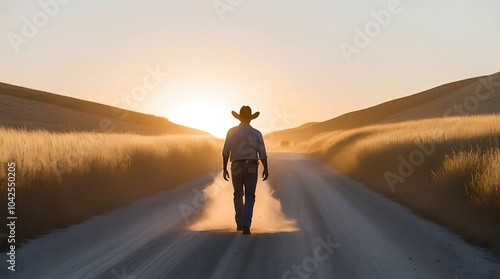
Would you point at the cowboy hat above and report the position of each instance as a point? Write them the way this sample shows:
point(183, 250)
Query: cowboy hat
point(245, 114)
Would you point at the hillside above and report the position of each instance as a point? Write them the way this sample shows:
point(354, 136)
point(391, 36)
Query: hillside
point(33, 109)
point(481, 97)
point(459, 96)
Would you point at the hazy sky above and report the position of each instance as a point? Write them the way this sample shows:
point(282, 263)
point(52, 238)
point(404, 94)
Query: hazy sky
point(294, 61)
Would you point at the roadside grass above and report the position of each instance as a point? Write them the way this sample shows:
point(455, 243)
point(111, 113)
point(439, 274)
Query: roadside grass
point(64, 178)
point(446, 169)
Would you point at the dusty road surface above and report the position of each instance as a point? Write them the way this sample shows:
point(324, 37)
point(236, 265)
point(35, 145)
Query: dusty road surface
point(309, 222)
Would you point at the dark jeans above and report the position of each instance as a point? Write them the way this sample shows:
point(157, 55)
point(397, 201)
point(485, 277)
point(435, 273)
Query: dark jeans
point(244, 177)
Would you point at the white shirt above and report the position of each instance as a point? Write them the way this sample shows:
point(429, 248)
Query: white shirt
point(244, 142)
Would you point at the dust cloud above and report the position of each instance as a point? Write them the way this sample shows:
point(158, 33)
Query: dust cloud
point(218, 214)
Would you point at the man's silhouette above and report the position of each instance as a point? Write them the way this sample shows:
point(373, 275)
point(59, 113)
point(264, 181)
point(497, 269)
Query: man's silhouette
point(244, 146)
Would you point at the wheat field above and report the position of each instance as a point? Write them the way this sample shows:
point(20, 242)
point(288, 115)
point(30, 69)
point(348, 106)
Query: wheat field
point(447, 169)
point(65, 178)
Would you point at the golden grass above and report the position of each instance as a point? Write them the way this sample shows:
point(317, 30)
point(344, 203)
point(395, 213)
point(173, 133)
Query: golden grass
point(482, 177)
point(64, 178)
point(450, 172)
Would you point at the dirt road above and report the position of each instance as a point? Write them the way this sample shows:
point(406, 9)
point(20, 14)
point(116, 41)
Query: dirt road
point(309, 222)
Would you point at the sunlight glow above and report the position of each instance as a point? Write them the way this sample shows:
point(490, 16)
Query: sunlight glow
point(203, 114)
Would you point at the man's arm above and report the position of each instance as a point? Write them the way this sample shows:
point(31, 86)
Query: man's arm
point(261, 149)
point(225, 160)
point(265, 173)
point(226, 152)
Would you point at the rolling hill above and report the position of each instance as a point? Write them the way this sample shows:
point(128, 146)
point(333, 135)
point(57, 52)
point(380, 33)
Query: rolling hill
point(479, 95)
point(33, 109)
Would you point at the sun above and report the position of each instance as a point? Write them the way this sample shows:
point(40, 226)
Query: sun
point(203, 114)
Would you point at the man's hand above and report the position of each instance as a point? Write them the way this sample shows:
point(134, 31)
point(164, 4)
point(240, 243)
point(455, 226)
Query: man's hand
point(226, 175)
point(225, 160)
point(265, 174)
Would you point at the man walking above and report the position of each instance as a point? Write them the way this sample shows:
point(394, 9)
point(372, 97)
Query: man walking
point(244, 146)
